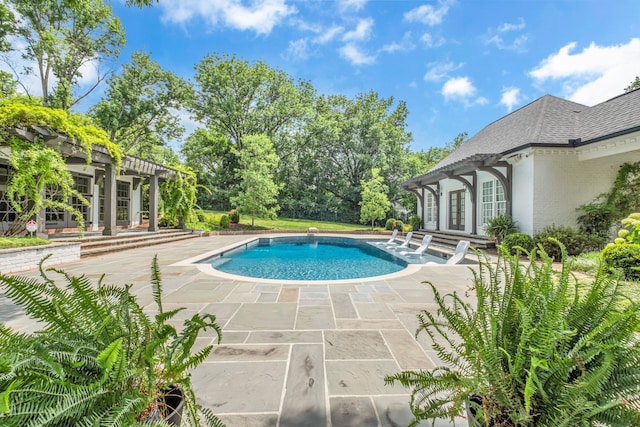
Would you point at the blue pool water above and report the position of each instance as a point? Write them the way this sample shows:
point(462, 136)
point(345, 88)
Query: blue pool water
point(308, 258)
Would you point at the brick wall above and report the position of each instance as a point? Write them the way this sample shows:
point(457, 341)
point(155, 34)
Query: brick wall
point(22, 259)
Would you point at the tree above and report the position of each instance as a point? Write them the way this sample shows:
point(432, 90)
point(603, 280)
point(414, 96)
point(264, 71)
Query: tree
point(235, 98)
point(353, 137)
point(139, 110)
point(7, 85)
point(214, 160)
point(634, 85)
point(258, 195)
point(60, 39)
point(374, 204)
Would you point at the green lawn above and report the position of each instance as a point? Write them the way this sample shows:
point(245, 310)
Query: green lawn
point(212, 219)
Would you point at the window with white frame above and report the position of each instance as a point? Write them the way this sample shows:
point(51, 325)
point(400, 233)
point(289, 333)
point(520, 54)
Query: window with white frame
point(494, 202)
point(430, 208)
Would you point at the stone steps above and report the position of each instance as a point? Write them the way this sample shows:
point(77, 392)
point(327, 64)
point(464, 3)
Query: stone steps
point(92, 245)
point(448, 238)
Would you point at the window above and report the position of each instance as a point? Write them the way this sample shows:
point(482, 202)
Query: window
point(430, 208)
point(7, 214)
point(83, 186)
point(494, 202)
point(122, 201)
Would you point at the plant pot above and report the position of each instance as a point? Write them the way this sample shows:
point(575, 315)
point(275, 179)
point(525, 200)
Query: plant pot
point(477, 422)
point(173, 403)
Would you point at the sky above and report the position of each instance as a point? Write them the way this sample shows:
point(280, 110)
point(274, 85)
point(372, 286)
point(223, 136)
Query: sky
point(458, 64)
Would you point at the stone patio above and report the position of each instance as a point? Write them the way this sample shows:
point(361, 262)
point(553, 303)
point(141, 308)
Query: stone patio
point(292, 354)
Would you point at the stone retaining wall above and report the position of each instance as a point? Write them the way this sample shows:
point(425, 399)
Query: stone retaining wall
point(28, 258)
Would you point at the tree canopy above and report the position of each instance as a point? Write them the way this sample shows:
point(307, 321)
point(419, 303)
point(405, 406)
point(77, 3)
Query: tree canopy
point(140, 106)
point(61, 38)
point(235, 98)
point(258, 191)
point(320, 149)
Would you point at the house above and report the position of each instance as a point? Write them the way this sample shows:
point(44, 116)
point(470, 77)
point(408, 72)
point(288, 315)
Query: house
point(115, 193)
point(537, 164)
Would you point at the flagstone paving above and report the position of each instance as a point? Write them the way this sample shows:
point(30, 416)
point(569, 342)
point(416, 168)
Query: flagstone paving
point(292, 354)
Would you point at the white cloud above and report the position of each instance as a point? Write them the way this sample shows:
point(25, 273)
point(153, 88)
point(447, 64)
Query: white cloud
point(328, 34)
point(427, 14)
point(506, 27)
point(593, 75)
point(439, 71)
point(496, 36)
point(298, 49)
point(405, 45)
point(429, 40)
point(260, 16)
point(458, 87)
point(461, 89)
point(361, 32)
point(353, 54)
point(511, 97)
point(355, 5)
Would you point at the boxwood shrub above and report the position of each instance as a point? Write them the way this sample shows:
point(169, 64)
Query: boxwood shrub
point(625, 257)
point(224, 221)
point(389, 225)
point(575, 241)
point(517, 239)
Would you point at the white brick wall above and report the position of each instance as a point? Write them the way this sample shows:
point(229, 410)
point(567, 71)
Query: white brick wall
point(562, 183)
point(22, 259)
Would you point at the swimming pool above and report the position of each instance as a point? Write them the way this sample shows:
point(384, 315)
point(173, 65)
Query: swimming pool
point(307, 258)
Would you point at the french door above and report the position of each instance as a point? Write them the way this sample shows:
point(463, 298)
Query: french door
point(456, 210)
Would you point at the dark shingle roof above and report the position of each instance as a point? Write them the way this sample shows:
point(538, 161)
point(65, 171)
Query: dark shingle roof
point(615, 115)
point(546, 121)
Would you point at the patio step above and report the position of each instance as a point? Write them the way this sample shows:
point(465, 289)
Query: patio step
point(93, 245)
point(451, 238)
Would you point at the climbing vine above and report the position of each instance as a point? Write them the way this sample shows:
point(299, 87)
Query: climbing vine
point(14, 113)
point(624, 196)
point(179, 196)
point(40, 178)
point(40, 170)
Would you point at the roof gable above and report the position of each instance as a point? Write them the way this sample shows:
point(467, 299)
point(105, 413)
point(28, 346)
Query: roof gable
point(547, 120)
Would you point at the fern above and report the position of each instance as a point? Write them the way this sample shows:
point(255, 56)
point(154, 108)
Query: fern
point(537, 347)
point(99, 358)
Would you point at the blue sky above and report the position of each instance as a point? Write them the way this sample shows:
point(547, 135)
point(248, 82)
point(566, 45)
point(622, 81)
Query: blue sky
point(459, 65)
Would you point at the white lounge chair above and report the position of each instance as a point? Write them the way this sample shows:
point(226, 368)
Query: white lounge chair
point(404, 245)
point(391, 240)
point(426, 240)
point(458, 255)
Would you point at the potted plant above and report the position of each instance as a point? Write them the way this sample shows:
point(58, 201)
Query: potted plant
point(499, 227)
point(98, 359)
point(536, 347)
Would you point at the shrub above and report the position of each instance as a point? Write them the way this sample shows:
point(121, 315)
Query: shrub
point(597, 219)
point(224, 221)
point(625, 257)
point(500, 226)
point(393, 223)
point(630, 231)
point(415, 222)
point(167, 222)
point(574, 240)
point(234, 216)
point(518, 239)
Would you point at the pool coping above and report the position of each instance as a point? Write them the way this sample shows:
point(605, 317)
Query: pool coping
point(209, 270)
